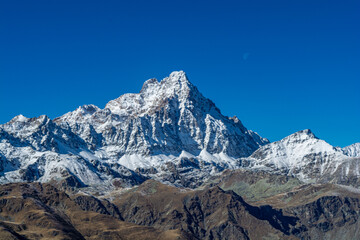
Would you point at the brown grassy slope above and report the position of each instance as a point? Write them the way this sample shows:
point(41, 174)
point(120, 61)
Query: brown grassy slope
point(211, 213)
point(156, 211)
point(40, 211)
point(327, 211)
point(324, 211)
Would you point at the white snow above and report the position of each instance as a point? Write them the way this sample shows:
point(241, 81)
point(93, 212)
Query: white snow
point(168, 121)
point(300, 153)
point(352, 150)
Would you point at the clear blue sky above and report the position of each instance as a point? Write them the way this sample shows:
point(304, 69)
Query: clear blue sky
point(280, 66)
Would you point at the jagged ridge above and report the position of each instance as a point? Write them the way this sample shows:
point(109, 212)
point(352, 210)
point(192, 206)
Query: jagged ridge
point(167, 122)
point(309, 158)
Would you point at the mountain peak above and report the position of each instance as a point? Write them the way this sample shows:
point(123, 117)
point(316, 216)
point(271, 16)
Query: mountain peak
point(178, 83)
point(168, 123)
point(153, 94)
point(169, 116)
point(177, 76)
point(22, 119)
point(353, 150)
point(301, 153)
point(176, 79)
point(81, 114)
point(19, 118)
point(302, 135)
point(148, 84)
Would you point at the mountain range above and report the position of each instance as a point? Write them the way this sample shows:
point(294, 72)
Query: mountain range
point(212, 173)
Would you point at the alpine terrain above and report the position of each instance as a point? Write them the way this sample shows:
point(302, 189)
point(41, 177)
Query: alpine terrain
point(165, 163)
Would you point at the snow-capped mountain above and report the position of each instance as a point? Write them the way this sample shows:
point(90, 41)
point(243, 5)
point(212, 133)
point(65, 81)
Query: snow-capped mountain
point(166, 117)
point(169, 132)
point(352, 150)
point(309, 158)
point(166, 128)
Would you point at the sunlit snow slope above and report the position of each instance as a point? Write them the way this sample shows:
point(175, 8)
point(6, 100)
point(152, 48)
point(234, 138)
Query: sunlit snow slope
point(166, 128)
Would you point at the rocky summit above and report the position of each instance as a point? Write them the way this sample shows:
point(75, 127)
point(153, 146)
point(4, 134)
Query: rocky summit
point(165, 163)
point(169, 126)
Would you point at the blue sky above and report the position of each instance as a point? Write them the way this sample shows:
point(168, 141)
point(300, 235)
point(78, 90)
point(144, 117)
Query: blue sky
point(280, 66)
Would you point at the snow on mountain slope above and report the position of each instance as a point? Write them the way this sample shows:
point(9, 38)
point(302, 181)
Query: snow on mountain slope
point(353, 150)
point(166, 117)
point(311, 159)
point(290, 151)
point(167, 131)
point(36, 149)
